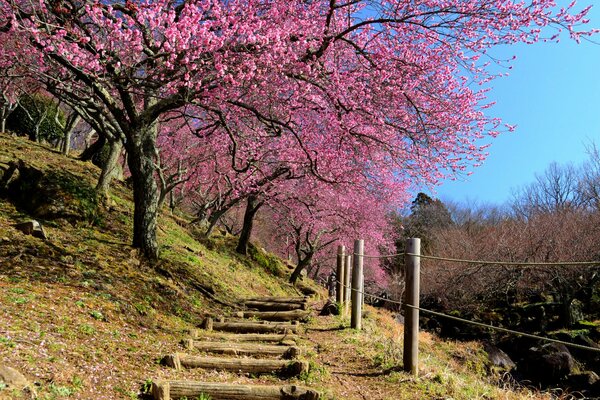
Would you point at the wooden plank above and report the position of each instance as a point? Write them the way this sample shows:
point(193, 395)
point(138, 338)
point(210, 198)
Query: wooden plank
point(283, 368)
point(278, 299)
point(242, 349)
point(280, 338)
point(274, 306)
point(224, 391)
point(280, 316)
point(253, 327)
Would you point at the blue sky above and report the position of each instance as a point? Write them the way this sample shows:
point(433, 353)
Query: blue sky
point(553, 96)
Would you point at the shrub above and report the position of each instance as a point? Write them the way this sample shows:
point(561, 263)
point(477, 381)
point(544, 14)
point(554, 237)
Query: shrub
point(32, 108)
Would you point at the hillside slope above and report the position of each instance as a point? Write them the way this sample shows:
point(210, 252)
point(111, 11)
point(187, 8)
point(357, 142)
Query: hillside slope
point(83, 316)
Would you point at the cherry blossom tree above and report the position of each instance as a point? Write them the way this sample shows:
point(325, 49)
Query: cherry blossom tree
point(316, 215)
point(391, 82)
point(14, 81)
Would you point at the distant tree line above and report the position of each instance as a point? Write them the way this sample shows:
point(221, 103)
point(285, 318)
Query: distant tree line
point(555, 218)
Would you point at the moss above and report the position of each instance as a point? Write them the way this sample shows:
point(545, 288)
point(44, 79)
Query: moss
point(267, 261)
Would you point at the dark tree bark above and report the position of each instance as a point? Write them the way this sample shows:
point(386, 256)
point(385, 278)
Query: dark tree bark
point(141, 148)
point(109, 168)
point(68, 128)
point(213, 219)
point(252, 206)
point(303, 263)
point(94, 149)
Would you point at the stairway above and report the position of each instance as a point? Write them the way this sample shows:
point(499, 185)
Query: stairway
point(261, 339)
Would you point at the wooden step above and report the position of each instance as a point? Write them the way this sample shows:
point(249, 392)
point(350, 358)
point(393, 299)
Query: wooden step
point(280, 316)
point(242, 349)
point(273, 305)
point(249, 327)
point(298, 300)
point(282, 368)
point(280, 338)
point(167, 390)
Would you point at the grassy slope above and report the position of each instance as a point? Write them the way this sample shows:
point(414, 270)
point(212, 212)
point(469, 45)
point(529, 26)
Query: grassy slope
point(84, 317)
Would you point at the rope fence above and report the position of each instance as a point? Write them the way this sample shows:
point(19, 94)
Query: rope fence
point(412, 271)
point(480, 324)
point(483, 262)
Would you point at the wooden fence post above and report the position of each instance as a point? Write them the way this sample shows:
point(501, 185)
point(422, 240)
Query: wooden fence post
point(357, 280)
point(347, 283)
point(412, 261)
point(339, 276)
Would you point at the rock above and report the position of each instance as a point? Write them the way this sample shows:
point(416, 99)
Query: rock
point(33, 228)
point(550, 362)
point(576, 311)
point(583, 381)
point(330, 308)
point(50, 194)
point(13, 380)
point(10, 173)
point(498, 358)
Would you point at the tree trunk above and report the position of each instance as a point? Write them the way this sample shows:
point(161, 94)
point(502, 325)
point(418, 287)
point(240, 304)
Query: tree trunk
point(109, 168)
point(141, 148)
point(317, 269)
point(213, 219)
point(92, 150)
point(567, 312)
point(66, 144)
point(71, 124)
point(3, 117)
point(252, 207)
point(299, 268)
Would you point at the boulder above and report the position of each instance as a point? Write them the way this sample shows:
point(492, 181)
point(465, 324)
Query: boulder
point(549, 363)
point(33, 228)
point(583, 381)
point(330, 308)
point(13, 381)
point(49, 194)
point(587, 383)
point(498, 358)
point(8, 174)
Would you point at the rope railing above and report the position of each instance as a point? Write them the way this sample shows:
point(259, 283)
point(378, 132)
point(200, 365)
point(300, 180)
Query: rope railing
point(412, 271)
point(484, 262)
point(480, 324)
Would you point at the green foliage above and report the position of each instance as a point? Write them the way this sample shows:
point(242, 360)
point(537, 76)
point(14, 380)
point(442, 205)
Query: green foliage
point(55, 194)
point(87, 329)
point(81, 191)
point(316, 373)
point(97, 315)
point(36, 105)
point(61, 391)
point(147, 387)
point(269, 262)
point(202, 396)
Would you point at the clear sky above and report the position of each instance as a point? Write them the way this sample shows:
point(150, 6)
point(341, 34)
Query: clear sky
point(553, 96)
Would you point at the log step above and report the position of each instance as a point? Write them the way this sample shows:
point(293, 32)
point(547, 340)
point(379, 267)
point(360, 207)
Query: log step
point(297, 300)
point(242, 349)
point(283, 316)
point(167, 390)
point(239, 317)
point(249, 327)
point(283, 368)
point(280, 338)
point(273, 305)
